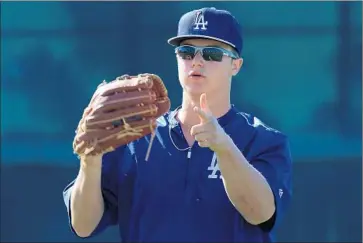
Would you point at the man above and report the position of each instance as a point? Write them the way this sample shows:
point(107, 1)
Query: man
point(215, 174)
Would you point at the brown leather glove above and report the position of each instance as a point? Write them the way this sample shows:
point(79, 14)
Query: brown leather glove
point(119, 112)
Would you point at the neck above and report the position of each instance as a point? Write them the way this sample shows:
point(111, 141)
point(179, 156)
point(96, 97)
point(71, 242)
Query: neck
point(219, 106)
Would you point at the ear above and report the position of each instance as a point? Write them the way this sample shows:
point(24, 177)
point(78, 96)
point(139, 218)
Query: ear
point(236, 66)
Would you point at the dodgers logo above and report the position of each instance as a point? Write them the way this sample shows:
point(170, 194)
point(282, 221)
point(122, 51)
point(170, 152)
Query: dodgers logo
point(199, 21)
point(214, 168)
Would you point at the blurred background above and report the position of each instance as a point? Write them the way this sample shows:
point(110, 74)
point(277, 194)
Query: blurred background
point(302, 75)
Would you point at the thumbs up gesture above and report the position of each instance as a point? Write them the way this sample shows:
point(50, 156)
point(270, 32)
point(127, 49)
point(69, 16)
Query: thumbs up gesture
point(208, 133)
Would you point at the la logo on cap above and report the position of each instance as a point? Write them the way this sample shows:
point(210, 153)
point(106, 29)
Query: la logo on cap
point(199, 21)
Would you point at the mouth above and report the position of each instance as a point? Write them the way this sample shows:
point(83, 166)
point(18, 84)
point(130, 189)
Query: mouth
point(195, 74)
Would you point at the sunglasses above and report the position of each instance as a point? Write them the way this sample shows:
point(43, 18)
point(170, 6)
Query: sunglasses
point(209, 53)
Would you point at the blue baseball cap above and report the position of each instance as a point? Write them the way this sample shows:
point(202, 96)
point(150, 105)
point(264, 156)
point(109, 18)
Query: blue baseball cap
point(209, 23)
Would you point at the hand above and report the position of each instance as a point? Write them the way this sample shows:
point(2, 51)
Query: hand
point(208, 133)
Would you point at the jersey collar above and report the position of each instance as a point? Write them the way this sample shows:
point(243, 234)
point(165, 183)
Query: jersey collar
point(223, 120)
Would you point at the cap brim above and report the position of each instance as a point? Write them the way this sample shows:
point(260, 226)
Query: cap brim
point(175, 41)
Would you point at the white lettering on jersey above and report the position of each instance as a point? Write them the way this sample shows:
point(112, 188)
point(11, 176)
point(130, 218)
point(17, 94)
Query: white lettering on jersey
point(214, 167)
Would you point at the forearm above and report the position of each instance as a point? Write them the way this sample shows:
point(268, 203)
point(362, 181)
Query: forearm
point(87, 205)
point(246, 187)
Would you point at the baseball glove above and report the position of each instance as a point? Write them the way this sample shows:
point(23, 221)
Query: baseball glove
point(119, 112)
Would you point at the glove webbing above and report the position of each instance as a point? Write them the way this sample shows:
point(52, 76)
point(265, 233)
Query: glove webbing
point(129, 131)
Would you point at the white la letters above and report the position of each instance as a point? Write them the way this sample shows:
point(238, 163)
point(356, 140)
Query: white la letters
point(214, 167)
point(199, 21)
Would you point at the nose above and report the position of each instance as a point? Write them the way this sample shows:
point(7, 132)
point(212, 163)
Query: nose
point(198, 60)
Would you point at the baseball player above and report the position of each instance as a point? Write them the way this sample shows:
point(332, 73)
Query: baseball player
point(214, 173)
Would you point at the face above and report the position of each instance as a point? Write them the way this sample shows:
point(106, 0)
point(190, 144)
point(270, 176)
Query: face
point(199, 76)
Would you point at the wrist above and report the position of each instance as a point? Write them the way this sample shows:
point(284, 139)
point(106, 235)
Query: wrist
point(91, 163)
point(226, 146)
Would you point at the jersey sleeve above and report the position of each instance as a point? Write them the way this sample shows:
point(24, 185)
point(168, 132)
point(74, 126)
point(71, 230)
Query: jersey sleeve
point(110, 186)
point(273, 161)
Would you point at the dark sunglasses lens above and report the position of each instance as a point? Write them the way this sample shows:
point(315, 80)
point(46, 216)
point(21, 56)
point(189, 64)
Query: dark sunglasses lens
point(213, 54)
point(186, 52)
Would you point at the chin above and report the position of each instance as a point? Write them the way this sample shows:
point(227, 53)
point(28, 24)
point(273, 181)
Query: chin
point(195, 90)
point(195, 86)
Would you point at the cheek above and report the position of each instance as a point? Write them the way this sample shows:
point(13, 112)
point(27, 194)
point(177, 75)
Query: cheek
point(218, 70)
point(184, 64)
point(183, 68)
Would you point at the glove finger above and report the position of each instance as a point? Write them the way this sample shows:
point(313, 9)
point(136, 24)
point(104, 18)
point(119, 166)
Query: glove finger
point(79, 147)
point(117, 86)
point(115, 118)
point(159, 87)
point(163, 107)
point(87, 111)
point(162, 99)
point(109, 103)
point(84, 147)
point(122, 133)
point(116, 139)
